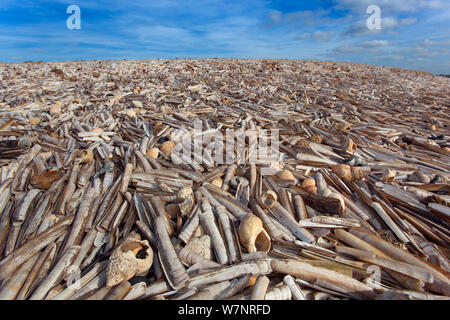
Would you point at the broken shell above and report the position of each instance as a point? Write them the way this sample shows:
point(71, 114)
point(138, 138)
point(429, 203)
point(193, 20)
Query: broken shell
point(347, 173)
point(349, 145)
point(34, 121)
point(343, 126)
point(418, 176)
point(389, 175)
point(153, 152)
point(287, 175)
point(55, 110)
point(165, 109)
point(316, 139)
point(131, 113)
point(166, 147)
point(304, 142)
point(45, 180)
point(309, 184)
point(186, 196)
point(97, 130)
point(132, 257)
point(252, 234)
point(86, 157)
point(217, 182)
point(201, 246)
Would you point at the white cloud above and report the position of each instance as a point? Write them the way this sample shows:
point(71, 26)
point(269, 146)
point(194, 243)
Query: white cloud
point(323, 35)
point(428, 42)
point(275, 16)
point(303, 36)
point(375, 43)
point(372, 46)
point(392, 57)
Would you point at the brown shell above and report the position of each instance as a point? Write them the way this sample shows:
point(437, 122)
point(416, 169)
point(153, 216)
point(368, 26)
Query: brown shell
point(166, 147)
point(309, 184)
point(316, 139)
point(86, 157)
point(153, 152)
point(389, 175)
point(45, 180)
point(343, 126)
point(173, 210)
point(34, 121)
point(348, 173)
point(349, 145)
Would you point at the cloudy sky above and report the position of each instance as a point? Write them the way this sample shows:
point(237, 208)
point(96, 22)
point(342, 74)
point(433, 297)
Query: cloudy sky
point(415, 34)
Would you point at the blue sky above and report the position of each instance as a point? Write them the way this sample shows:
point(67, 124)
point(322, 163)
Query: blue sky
point(415, 34)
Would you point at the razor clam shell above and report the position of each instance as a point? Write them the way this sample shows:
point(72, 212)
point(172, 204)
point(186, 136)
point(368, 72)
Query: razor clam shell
point(174, 271)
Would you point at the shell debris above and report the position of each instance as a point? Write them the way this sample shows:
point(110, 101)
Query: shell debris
point(123, 170)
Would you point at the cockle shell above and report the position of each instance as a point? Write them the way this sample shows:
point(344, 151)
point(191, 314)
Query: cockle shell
point(132, 257)
point(252, 234)
point(201, 246)
point(55, 110)
point(316, 139)
point(185, 196)
point(34, 121)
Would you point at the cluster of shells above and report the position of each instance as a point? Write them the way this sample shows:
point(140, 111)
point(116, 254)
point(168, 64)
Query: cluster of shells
point(94, 207)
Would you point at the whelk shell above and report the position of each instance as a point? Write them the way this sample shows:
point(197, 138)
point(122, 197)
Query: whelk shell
point(132, 257)
point(252, 234)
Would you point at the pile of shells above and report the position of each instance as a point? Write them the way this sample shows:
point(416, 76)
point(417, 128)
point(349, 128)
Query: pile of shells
point(93, 205)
